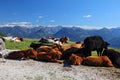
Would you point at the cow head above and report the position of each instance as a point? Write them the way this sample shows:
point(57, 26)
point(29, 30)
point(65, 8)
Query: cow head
point(35, 45)
point(106, 44)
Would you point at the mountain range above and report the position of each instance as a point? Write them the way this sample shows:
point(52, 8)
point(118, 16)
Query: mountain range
point(74, 33)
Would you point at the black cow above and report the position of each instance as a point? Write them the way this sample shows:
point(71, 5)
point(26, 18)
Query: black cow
point(35, 45)
point(113, 55)
point(43, 40)
point(94, 43)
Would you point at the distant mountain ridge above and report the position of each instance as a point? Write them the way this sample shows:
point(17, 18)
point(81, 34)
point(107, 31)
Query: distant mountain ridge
point(74, 33)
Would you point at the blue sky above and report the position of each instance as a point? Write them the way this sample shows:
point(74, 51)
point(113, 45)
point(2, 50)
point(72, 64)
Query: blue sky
point(83, 13)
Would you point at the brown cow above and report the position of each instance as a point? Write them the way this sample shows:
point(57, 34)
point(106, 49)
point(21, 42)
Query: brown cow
point(97, 61)
point(23, 54)
point(64, 39)
point(70, 48)
point(17, 39)
point(75, 45)
point(31, 54)
point(76, 59)
point(47, 53)
point(16, 55)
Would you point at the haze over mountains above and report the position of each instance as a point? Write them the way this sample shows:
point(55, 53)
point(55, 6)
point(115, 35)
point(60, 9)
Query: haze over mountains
point(74, 33)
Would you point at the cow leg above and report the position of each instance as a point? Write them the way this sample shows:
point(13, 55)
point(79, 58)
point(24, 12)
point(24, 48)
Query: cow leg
point(89, 52)
point(4, 53)
point(23, 58)
point(99, 52)
point(3, 58)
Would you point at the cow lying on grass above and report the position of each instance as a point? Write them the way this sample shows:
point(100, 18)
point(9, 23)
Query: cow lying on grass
point(69, 49)
point(76, 59)
point(17, 39)
point(97, 61)
point(47, 53)
point(43, 53)
point(114, 56)
point(22, 55)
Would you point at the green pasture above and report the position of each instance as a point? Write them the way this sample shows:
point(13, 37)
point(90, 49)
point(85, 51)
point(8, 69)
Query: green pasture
point(25, 45)
point(19, 45)
point(94, 53)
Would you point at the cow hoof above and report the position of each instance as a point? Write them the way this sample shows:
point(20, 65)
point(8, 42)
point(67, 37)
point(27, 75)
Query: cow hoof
point(60, 61)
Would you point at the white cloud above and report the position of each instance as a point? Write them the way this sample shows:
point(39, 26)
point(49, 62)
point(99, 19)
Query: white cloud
point(52, 21)
point(12, 24)
point(87, 16)
point(91, 27)
point(97, 27)
point(40, 17)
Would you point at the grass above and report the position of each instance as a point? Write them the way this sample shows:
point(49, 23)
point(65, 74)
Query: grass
point(116, 49)
point(19, 45)
point(94, 53)
point(25, 45)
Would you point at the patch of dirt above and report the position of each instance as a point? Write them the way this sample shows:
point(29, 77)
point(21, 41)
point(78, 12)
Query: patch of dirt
point(37, 70)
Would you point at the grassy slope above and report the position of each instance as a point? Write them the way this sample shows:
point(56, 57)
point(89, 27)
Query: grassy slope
point(19, 45)
point(25, 45)
point(95, 53)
